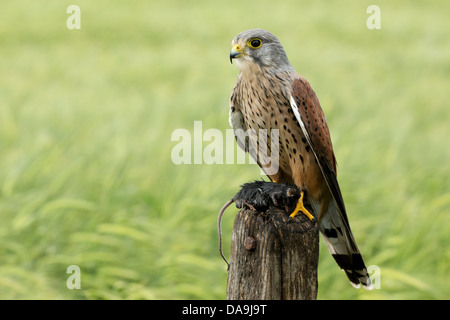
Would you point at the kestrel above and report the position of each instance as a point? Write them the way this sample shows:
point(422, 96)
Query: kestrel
point(270, 94)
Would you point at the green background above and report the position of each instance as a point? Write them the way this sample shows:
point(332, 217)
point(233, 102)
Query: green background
point(86, 118)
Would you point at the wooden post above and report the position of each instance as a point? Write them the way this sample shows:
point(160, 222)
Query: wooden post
point(272, 260)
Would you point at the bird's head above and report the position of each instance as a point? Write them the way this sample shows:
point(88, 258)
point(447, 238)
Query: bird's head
point(258, 47)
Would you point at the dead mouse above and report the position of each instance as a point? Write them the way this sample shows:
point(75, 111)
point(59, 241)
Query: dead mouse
point(260, 196)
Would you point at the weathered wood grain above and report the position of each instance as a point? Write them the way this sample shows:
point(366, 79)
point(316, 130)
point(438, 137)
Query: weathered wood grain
point(272, 260)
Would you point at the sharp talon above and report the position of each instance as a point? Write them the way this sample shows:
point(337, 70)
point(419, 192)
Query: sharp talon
point(301, 208)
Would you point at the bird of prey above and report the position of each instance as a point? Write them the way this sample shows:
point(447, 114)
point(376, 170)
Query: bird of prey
point(270, 94)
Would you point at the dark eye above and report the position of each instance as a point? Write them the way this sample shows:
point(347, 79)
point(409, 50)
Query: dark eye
point(255, 43)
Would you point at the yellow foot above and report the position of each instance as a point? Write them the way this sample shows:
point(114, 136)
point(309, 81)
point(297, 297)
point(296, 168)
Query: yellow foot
point(301, 207)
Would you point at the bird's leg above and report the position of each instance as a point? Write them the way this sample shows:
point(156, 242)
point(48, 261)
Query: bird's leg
point(301, 207)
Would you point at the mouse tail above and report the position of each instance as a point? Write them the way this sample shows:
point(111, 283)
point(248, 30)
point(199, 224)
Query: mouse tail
point(219, 228)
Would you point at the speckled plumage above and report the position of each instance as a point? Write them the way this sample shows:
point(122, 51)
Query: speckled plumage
point(269, 94)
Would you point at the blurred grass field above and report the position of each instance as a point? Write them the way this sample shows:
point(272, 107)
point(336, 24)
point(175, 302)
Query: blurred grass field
point(86, 117)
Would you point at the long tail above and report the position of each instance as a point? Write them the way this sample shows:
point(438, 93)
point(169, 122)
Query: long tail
point(339, 239)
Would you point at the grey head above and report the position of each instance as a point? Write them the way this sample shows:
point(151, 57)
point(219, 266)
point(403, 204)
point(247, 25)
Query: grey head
point(260, 47)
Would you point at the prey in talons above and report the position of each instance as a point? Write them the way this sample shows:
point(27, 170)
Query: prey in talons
point(259, 196)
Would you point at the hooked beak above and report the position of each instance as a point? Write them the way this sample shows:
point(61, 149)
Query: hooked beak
point(236, 52)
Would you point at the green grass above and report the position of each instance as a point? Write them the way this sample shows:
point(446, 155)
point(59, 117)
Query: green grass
point(86, 118)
